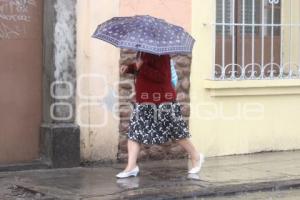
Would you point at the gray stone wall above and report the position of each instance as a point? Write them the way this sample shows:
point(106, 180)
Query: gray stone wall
point(169, 150)
point(60, 135)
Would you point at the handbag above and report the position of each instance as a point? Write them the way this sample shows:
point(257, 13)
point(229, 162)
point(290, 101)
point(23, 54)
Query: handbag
point(174, 77)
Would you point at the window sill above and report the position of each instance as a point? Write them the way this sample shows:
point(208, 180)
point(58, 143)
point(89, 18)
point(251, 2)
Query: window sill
point(252, 87)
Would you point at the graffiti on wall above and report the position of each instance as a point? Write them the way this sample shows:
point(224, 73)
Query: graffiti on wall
point(14, 17)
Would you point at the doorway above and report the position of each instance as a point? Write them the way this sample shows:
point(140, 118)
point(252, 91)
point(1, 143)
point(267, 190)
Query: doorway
point(21, 55)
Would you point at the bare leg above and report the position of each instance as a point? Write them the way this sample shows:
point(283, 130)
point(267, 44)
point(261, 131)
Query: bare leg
point(133, 152)
point(190, 148)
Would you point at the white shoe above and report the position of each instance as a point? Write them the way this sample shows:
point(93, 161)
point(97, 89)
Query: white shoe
point(200, 162)
point(133, 172)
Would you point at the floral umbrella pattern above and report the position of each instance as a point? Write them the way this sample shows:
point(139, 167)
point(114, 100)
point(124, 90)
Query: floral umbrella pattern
point(145, 33)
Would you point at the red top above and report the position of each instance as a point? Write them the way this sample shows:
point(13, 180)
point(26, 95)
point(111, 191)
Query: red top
point(153, 79)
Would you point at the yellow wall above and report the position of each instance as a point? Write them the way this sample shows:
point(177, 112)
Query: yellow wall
point(235, 117)
point(291, 36)
point(97, 61)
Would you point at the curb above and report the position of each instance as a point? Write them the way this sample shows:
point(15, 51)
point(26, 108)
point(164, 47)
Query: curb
point(181, 192)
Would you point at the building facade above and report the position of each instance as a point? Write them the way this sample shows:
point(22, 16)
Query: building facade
point(245, 76)
point(38, 82)
point(63, 99)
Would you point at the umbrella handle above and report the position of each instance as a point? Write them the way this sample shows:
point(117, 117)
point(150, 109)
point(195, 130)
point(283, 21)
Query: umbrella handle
point(138, 55)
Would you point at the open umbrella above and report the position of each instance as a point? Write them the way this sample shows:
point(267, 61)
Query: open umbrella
point(145, 33)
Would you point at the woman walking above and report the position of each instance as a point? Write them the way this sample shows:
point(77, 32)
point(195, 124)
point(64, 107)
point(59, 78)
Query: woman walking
point(156, 116)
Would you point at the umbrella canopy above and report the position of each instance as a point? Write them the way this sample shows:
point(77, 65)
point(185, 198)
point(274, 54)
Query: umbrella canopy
point(145, 33)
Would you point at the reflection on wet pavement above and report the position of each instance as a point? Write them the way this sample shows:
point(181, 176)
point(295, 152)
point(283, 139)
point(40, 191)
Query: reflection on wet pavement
point(161, 179)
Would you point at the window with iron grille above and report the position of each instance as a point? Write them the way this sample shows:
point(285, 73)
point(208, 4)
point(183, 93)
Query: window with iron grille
point(251, 42)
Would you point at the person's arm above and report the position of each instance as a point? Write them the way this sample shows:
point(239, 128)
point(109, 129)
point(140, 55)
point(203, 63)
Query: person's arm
point(131, 68)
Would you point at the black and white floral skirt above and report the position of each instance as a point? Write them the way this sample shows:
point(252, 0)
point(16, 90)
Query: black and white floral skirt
point(157, 123)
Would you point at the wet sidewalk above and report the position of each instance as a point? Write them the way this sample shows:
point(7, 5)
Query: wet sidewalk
point(166, 179)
